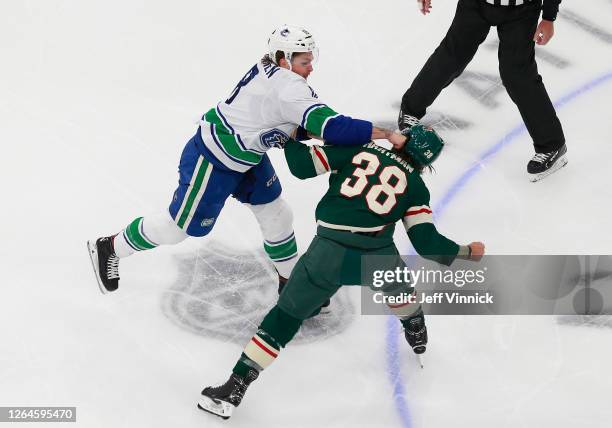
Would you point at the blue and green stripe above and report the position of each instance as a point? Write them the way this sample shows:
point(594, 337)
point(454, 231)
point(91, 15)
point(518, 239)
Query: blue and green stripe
point(136, 238)
point(283, 250)
point(193, 196)
point(315, 118)
point(229, 142)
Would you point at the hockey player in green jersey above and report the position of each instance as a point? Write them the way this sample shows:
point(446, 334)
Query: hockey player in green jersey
point(370, 189)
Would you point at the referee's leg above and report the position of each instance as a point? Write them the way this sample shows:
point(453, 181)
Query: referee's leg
point(467, 31)
point(519, 73)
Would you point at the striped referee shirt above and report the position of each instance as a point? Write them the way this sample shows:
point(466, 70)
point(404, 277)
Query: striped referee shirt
point(550, 8)
point(507, 2)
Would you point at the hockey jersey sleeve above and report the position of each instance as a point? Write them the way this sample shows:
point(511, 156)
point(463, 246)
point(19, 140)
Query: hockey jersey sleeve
point(299, 105)
point(309, 161)
point(418, 221)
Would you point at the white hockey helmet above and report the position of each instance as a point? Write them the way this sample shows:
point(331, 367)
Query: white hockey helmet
point(290, 40)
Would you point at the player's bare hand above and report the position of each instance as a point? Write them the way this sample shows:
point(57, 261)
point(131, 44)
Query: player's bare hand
point(477, 250)
point(394, 137)
point(398, 140)
point(424, 6)
point(544, 32)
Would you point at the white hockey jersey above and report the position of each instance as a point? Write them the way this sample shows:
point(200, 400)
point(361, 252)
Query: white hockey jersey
point(263, 111)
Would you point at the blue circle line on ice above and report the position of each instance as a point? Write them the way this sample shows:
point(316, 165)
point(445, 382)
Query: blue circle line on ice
point(393, 360)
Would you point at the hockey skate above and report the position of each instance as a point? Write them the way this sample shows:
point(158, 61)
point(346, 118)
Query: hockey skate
point(415, 332)
point(105, 263)
point(406, 121)
point(544, 164)
point(222, 400)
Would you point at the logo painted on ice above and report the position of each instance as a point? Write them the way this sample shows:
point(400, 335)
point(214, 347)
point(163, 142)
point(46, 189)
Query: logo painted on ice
point(274, 138)
point(224, 293)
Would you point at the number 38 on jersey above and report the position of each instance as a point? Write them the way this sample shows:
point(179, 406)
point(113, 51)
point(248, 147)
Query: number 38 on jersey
point(382, 197)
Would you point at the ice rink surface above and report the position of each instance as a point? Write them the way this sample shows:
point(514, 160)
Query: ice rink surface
point(96, 102)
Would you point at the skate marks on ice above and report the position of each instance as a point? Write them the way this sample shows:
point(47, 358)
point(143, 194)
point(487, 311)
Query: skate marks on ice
point(224, 293)
point(438, 120)
point(599, 321)
point(543, 54)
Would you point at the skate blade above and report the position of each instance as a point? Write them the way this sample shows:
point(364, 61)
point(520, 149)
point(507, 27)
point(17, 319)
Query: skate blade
point(93, 256)
point(220, 408)
point(420, 359)
point(557, 166)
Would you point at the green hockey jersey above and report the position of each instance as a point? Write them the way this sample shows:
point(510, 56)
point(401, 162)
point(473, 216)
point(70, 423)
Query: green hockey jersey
point(370, 189)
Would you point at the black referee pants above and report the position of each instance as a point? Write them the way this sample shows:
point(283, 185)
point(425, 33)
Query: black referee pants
point(516, 26)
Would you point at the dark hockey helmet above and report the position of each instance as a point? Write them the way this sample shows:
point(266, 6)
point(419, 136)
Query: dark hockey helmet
point(423, 146)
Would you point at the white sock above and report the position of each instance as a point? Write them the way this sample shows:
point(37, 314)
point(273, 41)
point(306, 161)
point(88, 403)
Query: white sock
point(276, 223)
point(145, 233)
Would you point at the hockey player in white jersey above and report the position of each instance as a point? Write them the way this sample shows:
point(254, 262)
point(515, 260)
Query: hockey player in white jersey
point(227, 156)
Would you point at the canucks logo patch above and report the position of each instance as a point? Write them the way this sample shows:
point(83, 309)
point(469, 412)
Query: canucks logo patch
point(274, 138)
point(207, 222)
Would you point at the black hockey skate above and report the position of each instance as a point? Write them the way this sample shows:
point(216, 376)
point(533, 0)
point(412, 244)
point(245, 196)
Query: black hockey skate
point(406, 121)
point(415, 332)
point(222, 400)
point(105, 263)
point(544, 164)
point(283, 281)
